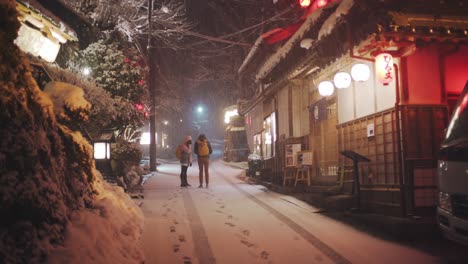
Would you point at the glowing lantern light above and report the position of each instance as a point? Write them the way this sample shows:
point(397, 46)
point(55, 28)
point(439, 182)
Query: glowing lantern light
point(322, 3)
point(384, 68)
point(326, 88)
point(342, 80)
point(360, 72)
point(304, 3)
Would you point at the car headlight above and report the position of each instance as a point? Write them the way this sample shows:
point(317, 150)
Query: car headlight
point(445, 202)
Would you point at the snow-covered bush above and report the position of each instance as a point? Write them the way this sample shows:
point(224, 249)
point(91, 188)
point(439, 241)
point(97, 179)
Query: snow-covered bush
point(127, 151)
point(103, 112)
point(126, 157)
point(54, 206)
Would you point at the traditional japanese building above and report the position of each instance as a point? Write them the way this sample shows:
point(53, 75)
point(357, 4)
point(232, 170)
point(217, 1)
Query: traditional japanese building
point(41, 33)
point(375, 77)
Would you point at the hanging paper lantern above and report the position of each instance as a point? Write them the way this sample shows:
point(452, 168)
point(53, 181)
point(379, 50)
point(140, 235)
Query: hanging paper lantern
point(304, 3)
point(322, 3)
point(360, 72)
point(326, 88)
point(342, 80)
point(384, 68)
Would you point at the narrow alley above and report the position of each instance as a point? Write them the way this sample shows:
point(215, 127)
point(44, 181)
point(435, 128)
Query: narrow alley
point(236, 222)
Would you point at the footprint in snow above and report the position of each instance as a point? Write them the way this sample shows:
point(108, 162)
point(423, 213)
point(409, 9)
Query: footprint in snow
point(187, 260)
point(246, 232)
point(247, 243)
point(230, 224)
point(182, 238)
point(175, 248)
point(172, 228)
point(175, 222)
point(218, 211)
point(264, 255)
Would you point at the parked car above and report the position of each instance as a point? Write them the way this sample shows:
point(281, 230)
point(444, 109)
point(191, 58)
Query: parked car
point(452, 209)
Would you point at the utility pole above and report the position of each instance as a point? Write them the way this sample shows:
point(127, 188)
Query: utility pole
point(152, 92)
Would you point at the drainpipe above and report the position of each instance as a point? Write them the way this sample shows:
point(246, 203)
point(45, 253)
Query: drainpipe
point(402, 173)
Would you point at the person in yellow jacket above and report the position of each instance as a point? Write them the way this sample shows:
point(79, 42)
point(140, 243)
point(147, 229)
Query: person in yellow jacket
point(203, 150)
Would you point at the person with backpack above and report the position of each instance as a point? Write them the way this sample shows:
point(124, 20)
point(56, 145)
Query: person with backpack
point(184, 154)
point(203, 150)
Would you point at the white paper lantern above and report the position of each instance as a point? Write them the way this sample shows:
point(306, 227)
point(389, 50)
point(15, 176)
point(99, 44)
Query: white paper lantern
point(360, 72)
point(384, 68)
point(326, 88)
point(342, 80)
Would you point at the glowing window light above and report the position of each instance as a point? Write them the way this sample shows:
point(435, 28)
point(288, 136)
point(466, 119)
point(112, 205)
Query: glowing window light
point(229, 114)
point(342, 80)
point(326, 88)
point(101, 150)
point(360, 72)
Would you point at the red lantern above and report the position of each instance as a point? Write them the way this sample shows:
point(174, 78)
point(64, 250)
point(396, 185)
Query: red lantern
point(384, 68)
point(322, 3)
point(304, 3)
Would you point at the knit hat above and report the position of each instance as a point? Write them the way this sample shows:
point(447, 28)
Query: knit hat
point(187, 138)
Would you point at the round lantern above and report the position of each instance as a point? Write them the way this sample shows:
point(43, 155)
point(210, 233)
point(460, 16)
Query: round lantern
point(384, 68)
point(326, 88)
point(360, 72)
point(342, 80)
point(322, 3)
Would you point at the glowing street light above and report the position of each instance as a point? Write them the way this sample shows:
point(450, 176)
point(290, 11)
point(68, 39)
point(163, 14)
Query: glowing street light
point(200, 109)
point(86, 71)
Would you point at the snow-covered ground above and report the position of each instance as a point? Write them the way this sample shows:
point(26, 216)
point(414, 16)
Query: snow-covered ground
point(109, 233)
point(235, 222)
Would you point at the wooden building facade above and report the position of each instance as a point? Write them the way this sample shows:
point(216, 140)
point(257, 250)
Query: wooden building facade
point(398, 125)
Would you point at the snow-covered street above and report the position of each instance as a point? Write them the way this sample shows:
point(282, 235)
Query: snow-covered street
point(236, 222)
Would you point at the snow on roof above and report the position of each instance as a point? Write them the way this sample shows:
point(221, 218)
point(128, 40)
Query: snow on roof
point(272, 61)
point(330, 23)
point(252, 52)
point(33, 8)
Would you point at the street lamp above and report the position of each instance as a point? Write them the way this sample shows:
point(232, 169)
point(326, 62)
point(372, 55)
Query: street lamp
point(200, 109)
point(86, 71)
point(152, 88)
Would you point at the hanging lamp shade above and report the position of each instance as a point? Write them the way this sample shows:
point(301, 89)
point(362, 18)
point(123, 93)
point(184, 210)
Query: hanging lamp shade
point(326, 88)
point(342, 80)
point(360, 72)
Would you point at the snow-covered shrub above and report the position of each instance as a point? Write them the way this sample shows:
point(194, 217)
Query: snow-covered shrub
point(54, 206)
point(103, 112)
point(126, 157)
point(126, 151)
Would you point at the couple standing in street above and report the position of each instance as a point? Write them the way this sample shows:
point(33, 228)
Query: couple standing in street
point(203, 150)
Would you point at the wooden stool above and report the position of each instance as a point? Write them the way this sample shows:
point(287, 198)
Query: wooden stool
point(302, 174)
